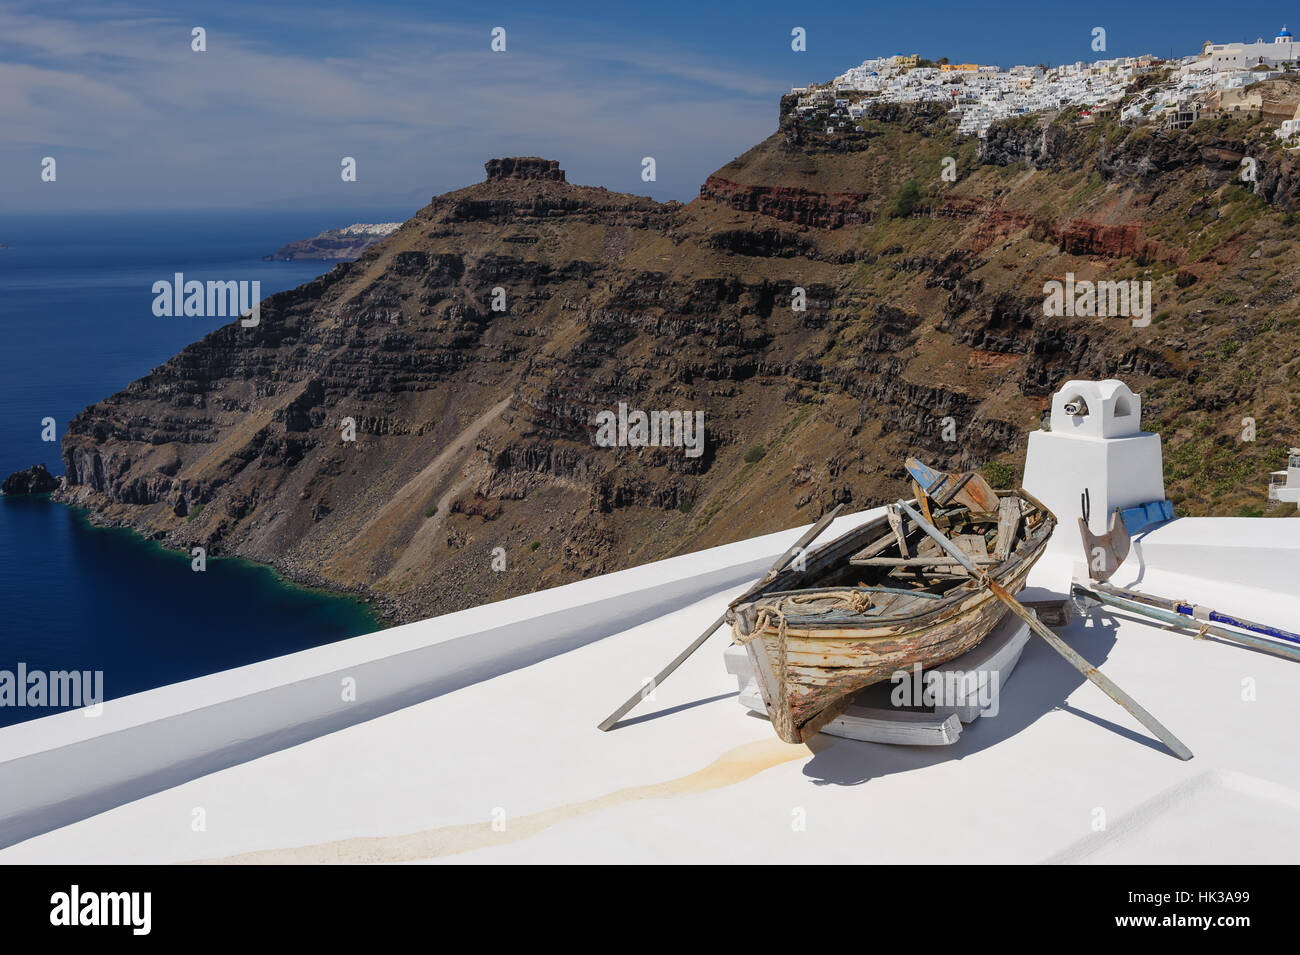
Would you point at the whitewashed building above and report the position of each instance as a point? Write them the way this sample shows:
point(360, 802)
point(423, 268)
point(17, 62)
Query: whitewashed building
point(1244, 56)
point(1285, 485)
point(987, 94)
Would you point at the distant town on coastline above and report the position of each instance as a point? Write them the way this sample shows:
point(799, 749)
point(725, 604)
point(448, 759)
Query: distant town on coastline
point(1222, 77)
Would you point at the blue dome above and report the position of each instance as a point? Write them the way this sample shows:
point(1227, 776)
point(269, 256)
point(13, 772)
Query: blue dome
point(1285, 32)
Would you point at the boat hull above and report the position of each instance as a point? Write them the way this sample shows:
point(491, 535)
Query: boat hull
point(810, 672)
point(824, 669)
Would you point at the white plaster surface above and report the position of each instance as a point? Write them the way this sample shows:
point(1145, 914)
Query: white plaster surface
point(1027, 785)
point(475, 736)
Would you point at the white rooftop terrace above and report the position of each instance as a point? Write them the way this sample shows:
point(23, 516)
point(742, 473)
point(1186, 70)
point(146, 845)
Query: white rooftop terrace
point(496, 722)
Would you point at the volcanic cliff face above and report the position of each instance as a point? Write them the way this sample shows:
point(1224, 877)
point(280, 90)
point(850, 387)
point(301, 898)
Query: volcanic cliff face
point(472, 351)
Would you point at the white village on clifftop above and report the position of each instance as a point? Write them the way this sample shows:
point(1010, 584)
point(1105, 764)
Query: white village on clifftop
point(1222, 78)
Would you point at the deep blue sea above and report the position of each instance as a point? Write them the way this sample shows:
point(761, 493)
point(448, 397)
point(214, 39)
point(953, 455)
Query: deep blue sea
point(77, 325)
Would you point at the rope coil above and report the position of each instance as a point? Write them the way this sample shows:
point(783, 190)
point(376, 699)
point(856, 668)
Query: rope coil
point(853, 601)
point(769, 615)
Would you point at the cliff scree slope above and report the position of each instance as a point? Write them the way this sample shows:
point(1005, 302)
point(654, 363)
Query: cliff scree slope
point(924, 321)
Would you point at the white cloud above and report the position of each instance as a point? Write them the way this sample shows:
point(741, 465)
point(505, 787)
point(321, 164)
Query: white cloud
point(421, 106)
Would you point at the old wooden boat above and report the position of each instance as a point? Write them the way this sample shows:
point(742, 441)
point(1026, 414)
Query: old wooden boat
point(881, 598)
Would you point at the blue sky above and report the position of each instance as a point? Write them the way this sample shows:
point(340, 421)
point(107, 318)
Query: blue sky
point(136, 119)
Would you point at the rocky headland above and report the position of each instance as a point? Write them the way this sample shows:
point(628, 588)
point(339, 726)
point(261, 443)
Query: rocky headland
point(418, 425)
point(336, 245)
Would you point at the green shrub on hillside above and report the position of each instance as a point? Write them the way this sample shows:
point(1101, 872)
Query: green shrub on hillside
point(908, 198)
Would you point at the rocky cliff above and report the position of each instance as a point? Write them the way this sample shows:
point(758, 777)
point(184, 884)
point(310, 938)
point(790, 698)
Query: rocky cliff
point(420, 425)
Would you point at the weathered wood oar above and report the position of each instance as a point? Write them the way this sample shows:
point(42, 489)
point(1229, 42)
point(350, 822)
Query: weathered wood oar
point(1103, 682)
point(1200, 614)
point(781, 563)
point(1108, 596)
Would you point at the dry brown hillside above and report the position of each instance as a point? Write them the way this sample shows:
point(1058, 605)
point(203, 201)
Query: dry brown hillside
point(475, 428)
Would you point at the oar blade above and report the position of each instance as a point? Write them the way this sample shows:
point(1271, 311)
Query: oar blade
point(1094, 675)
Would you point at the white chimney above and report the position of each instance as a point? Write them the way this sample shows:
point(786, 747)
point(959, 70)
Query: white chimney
point(1096, 458)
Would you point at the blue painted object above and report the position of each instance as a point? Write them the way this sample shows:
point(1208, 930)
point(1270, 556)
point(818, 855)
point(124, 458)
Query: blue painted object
point(1140, 516)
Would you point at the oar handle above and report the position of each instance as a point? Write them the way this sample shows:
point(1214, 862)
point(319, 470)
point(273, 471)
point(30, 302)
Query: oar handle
point(1099, 679)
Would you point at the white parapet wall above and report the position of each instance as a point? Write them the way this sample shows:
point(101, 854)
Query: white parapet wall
point(65, 767)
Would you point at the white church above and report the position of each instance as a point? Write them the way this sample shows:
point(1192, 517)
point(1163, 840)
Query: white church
point(1245, 56)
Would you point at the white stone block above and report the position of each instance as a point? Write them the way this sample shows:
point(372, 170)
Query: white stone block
point(1096, 447)
point(1115, 472)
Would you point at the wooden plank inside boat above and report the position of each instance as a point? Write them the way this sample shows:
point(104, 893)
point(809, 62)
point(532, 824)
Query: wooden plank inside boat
point(896, 524)
point(1008, 526)
point(921, 561)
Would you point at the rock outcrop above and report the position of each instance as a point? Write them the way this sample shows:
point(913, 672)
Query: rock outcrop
point(524, 167)
point(33, 480)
